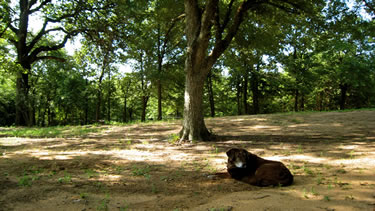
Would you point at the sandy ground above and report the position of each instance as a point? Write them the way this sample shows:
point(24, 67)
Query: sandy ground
point(136, 167)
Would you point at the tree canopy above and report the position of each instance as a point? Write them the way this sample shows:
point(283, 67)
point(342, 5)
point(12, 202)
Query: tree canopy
point(185, 59)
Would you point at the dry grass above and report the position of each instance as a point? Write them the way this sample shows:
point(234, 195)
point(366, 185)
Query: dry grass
point(135, 167)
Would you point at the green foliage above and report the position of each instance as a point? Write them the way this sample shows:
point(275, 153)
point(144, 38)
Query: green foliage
point(321, 59)
point(49, 132)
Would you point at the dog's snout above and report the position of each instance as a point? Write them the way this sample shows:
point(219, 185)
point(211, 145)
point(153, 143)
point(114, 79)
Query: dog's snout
point(239, 164)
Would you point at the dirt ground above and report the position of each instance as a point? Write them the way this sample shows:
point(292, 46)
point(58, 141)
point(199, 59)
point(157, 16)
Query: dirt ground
point(137, 167)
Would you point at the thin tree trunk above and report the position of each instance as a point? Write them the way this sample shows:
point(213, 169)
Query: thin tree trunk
point(296, 100)
point(86, 103)
point(255, 89)
point(238, 95)
point(344, 90)
point(144, 107)
point(98, 104)
point(302, 102)
point(245, 89)
point(160, 110)
point(109, 97)
point(125, 115)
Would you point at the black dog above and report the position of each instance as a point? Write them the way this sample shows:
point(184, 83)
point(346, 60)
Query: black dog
point(247, 167)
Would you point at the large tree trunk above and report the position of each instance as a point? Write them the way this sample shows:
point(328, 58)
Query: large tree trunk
point(200, 58)
point(211, 95)
point(23, 109)
point(194, 128)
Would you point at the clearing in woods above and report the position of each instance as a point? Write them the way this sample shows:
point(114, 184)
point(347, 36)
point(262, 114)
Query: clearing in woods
point(137, 167)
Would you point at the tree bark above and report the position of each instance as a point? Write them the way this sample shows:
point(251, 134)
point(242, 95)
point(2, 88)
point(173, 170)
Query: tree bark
point(23, 109)
point(211, 95)
point(238, 95)
point(109, 97)
point(98, 105)
point(344, 90)
point(255, 89)
point(160, 110)
point(144, 107)
point(245, 95)
point(194, 128)
point(296, 95)
point(199, 61)
point(125, 115)
point(302, 107)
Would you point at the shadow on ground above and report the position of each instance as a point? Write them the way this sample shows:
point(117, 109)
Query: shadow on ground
point(332, 156)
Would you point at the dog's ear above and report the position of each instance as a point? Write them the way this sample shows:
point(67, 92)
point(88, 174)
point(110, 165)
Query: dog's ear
point(251, 157)
point(231, 152)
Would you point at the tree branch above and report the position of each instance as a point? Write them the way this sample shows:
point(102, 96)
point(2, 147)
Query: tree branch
point(34, 54)
point(201, 45)
point(38, 36)
point(41, 5)
point(193, 24)
point(3, 32)
point(14, 29)
point(166, 36)
point(220, 27)
point(227, 15)
point(221, 45)
point(369, 6)
point(50, 58)
point(284, 8)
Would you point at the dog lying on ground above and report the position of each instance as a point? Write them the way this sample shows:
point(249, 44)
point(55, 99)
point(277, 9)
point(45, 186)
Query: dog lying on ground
point(249, 168)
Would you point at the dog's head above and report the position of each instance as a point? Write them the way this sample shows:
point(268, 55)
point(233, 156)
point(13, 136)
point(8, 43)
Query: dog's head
point(238, 158)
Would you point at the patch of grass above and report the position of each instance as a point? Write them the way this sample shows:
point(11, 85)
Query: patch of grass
point(296, 121)
point(173, 138)
point(125, 207)
point(141, 171)
point(326, 198)
point(49, 132)
point(351, 154)
point(319, 179)
point(83, 195)
point(103, 205)
point(215, 149)
point(307, 194)
point(25, 181)
point(91, 173)
point(300, 149)
point(154, 189)
point(350, 197)
point(66, 179)
point(307, 170)
point(341, 171)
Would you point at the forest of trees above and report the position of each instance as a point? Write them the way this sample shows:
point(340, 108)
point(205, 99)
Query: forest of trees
point(253, 57)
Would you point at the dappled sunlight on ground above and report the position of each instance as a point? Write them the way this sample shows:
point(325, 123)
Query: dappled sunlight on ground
point(135, 167)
